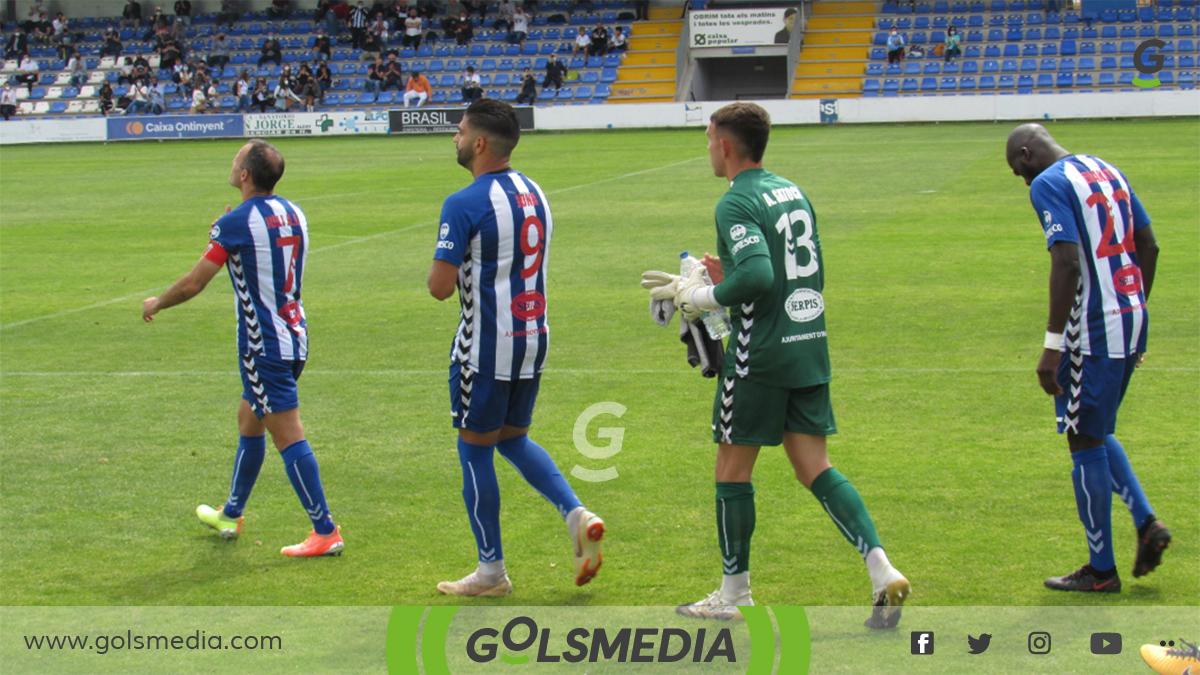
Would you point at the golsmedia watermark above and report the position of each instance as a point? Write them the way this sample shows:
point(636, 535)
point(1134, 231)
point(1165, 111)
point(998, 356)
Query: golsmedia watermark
point(616, 436)
point(1151, 65)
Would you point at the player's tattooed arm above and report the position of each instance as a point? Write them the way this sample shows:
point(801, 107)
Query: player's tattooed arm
point(1064, 284)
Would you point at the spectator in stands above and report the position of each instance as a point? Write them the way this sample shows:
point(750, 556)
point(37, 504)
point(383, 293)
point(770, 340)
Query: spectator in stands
point(106, 98)
point(229, 13)
point(182, 74)
point(528, 89)
point(952, 49)
point(157, 93)
point(323, 7)
point(358, 25)
point(219, 56)
point(36, 10)
point(392, 73)
point(418, 89)
point(324, 79)
point(303, 76)
point(1051, 6)
point(19, 44)
point(311, 93)
point(27, 72)
point(243, 89)
point(642, 9)
point(271, 51)
point(620, 42)
point(287, 74)
point(8, 101)
point(125, 71)
point(374, 81)
point(412, 29)
point(131, 16)
point(465, 31)
point(183, 12)
point(427, 9)
point(450, 25)
point(505, 22)
point(139, 98)
point(555, 72)
point(262, 95)
point(279, 9)
point(199, 95)
point(895, 46)
point(78, 69)
point(371, 49)
point(141, 67)
point(380, 29)
point(396, 11)
point(321, 48)
point(43, 31)
point(168, 54)
point(476, 6)
point(599, 40)
point(158, 23)
point(582, 6)
point(112, 43)
point(472, 88)
point(284, 96)
point(520, 26)
point(61, 35)
point(789, 22)
point(335, 18)
point(583, 42)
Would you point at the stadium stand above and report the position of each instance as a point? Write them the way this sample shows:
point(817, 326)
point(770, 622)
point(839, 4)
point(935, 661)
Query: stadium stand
point(646, 72)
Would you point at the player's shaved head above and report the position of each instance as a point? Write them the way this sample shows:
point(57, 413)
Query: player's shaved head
point(748, 125)
point(264, 163)
point(1031, 150)
point(498, 121)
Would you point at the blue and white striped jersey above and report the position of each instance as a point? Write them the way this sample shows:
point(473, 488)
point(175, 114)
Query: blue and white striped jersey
point(497, 232)
point(264, 243)
point(1087, 201)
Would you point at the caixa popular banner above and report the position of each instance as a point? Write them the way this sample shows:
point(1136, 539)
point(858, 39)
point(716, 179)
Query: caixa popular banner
point(174, 126)
point(441, 120)
point(546, 640)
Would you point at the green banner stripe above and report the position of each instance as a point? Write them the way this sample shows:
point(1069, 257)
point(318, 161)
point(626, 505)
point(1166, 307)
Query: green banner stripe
point(795, 643)
point(402, 640)
point(762, 640)
point(433, 640)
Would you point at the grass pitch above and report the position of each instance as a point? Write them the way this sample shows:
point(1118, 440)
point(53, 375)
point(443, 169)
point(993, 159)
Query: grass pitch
point(936, 273)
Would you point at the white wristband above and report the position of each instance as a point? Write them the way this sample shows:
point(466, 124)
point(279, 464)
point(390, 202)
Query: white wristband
point(1053, 341)
point(705, 298)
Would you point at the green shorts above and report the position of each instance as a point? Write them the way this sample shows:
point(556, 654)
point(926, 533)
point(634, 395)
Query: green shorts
point(750, 413)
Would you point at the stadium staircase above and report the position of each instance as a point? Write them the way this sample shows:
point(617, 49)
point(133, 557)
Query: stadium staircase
point(1009, 47)
point(651, 61)
point(648, 72)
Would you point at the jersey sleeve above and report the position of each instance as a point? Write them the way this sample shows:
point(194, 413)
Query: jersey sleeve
point(738, 231)
point(224, 237)
point(215, 253)
point(1057, 215)
point(454, 232)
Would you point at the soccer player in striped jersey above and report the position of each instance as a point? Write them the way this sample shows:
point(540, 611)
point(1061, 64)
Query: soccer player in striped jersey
point(264, 243)
point(492, 246)
point(774, 388)
point(1102, 261)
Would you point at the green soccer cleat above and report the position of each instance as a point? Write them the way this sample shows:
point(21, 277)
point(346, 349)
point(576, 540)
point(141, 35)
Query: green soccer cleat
point(228, 528)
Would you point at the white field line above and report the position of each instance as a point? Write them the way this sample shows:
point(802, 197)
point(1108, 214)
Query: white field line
point(356, 240)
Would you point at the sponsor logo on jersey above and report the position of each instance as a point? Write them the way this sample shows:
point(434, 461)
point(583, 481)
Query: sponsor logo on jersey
point(214, 232)
point(804, 304)
point(444, 231)
point(1052, 229)
point(529, 306)
point(1128, 280)
point(448, 245)
point(745, 242)
point(737, 232)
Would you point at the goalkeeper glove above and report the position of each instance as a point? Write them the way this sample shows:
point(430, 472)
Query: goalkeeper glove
point(695, 295)
point(662, 286)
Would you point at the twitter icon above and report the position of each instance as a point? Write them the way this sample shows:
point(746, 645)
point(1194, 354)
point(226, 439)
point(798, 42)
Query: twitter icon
point(980, 644)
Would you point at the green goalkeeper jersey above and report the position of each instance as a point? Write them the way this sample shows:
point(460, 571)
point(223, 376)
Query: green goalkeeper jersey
point(778, 336)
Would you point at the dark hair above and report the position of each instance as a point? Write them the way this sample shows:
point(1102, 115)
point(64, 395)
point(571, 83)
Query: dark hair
point(265, 164)
point(749, 125)
point(498, 121)
point(788, 12)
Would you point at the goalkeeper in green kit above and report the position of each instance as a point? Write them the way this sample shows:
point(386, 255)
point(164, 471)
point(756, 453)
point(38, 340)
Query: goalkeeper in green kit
point(775, 384)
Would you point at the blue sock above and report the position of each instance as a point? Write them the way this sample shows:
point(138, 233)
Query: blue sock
point(538, 469)
point(302, 470)
point(1093, 496)
point(250, 453)
point(481, 494)
point(1125, 483)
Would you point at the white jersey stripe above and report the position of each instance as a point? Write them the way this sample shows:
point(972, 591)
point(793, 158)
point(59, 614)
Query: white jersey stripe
point(302, 264)
point(529, 361)
point(477, 296)
point(502, 286)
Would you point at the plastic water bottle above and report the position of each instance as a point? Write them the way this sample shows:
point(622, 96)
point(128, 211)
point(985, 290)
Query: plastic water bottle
point(716, 321)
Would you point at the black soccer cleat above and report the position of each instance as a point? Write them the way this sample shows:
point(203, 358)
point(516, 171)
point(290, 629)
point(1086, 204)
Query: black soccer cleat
point(1085, 580)
point(1150, 548)
point(885, 612)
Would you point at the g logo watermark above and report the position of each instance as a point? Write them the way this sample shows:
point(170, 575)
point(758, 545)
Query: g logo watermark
point(1153, 65)
point(615, 435)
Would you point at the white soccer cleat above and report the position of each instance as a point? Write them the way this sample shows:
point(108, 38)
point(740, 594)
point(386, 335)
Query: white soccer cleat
point(474, 587)
point(588, 557)
point(716, 607)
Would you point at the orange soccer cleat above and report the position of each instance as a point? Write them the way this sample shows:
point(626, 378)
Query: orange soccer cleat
point(317, 544)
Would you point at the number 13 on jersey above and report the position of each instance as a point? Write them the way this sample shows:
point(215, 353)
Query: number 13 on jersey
point(802, 240)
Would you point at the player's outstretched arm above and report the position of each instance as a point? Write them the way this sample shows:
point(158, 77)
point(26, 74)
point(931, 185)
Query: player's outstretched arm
point(443, 278)
point(188, 287)
point(1064, 282)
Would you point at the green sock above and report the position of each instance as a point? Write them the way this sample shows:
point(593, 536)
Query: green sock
point(846, 508)
point(735, 525)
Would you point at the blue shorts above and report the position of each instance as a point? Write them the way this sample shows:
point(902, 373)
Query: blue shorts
point(269, 386)
point(1093, 387)
point(483, 405)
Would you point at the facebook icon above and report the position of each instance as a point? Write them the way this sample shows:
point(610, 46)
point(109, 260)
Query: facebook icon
point(922, 643)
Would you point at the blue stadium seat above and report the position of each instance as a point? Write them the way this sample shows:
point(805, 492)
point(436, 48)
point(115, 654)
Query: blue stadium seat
point(912, 68)
point(1006, 82)
point(948, 84)
point(1083, 80)
point(875, 69)
point(950, 68)
point(909, 84)
point(891, 84)
point(970, 67)
point(1087, 63)
point(929, 84)
point(1066, 64)
point(1045, 80)
point(987, 82)
point(1029, 51)
point(1011, 51)
point(1028, 65)
point(1008, 66)
point(870, 84)
point(1066, 80)
point(991, 67)
point(1068, 48)
point(931, 68)
point(966, 83)
point(1025, 82)
point(991, 52)
point(1166, 31)
point(1187, 61)
point(1107, 79)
